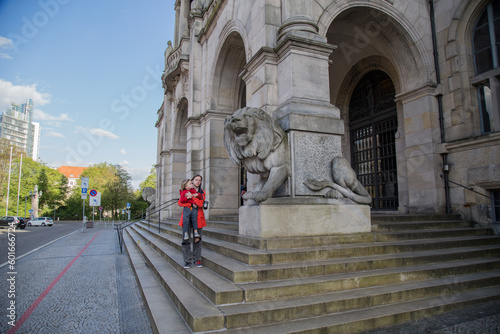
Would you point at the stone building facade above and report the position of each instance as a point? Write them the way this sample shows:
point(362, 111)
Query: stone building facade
point(407, 91)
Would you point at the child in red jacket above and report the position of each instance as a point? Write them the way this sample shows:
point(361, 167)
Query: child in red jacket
point(189, 213)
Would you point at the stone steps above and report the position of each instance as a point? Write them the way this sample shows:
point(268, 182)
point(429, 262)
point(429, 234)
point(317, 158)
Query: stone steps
point(276, 311)
point(198, 312)
point(251, 256)
point(361, 283)
point(160, 307)
point(356, 321)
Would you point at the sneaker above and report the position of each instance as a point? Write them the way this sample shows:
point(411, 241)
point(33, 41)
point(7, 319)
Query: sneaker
point(187, 265)
point(186, 236)
point(199, 265)
point(196, 235)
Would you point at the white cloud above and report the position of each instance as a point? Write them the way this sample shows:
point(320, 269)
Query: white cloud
point(19, 94)
point(55, 134)
point(97, 132)
point(123, 152)
point(6, 43)
point(39, 115)
point(56, 121)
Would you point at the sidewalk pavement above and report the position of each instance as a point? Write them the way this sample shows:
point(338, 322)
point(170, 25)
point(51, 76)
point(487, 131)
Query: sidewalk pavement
point(79, 284)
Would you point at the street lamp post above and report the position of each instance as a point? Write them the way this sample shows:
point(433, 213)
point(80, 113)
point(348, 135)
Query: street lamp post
point(31, 199)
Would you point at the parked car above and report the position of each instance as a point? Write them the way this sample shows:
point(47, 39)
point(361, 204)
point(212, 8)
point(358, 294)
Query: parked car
point(41, 221)
point(7, 221)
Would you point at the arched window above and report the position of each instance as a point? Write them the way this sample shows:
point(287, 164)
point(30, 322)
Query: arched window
point(486, 50)
point(486, 39)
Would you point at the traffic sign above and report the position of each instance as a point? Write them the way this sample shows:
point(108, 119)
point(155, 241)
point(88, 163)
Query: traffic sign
point(85, 185)
point(128, 205)
point(95, 200)
point(93, 192)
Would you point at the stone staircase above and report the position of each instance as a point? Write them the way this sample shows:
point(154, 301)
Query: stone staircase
point(408, 267)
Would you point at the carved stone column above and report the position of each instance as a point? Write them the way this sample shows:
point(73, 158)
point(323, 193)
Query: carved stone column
point(314, 129)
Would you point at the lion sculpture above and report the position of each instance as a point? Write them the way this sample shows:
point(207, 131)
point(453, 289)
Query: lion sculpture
point(149, 194)
point(344, 181)
point(253, 138)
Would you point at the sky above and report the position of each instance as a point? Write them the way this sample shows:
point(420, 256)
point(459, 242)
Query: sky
point(93, 70)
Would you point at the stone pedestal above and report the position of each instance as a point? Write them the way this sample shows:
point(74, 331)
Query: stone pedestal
point(294, 217)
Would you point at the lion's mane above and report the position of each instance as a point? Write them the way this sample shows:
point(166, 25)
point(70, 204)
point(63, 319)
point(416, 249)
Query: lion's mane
point(264, 133)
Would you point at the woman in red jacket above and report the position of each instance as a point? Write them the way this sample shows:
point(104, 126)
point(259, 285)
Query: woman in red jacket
point(194, 256)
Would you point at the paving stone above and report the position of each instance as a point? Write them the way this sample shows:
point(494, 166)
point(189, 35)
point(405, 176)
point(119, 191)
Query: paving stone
point(97, 294)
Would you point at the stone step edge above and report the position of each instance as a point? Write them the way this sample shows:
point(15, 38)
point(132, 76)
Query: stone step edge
point(417, 225)
point(279, 268)
point(487, 230)
point(213, 286)
point(274, 258)
point(320, 241)
point(296, 287)
point(377, 217)
point(241, 249)
point(238, 252)
point(371, 262)
point(198, 312)
point(257, 313)
point(162, 313)
point(276, 243)
point(227, 267)
point(227, 274)
point(356, 321)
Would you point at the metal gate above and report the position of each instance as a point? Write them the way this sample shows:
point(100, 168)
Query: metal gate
point(373, 124)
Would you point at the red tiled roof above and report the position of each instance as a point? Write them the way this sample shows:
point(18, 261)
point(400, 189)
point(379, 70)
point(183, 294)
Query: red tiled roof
point(71, 171)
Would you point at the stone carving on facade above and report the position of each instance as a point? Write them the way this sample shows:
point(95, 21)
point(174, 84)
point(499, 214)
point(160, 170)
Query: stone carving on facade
point(344, 182)
point(197, 7)
point(254, 139)
point(173, 59)
point(167, 53)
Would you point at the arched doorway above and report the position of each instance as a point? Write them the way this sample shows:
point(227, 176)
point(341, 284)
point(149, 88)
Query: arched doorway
point(373, 124)
point(228, 94)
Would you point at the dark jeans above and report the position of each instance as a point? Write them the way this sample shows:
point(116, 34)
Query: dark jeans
point(195, 255)
point(189, 219)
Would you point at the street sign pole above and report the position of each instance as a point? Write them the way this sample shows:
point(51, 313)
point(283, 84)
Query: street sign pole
point(83, 215)
point(85, 186)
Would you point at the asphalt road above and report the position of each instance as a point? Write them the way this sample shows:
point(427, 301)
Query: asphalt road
point(33, 237)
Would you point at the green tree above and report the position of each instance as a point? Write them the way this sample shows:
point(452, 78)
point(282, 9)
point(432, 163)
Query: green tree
point(119, 190)
point(138, 205)
point(113, 182)
point(150, 180)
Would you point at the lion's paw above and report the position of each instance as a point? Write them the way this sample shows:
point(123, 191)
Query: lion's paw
point(260, 196)
point(247, 195)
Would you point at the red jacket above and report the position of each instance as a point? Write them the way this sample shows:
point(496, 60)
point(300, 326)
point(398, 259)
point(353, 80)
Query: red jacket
point(202, 222)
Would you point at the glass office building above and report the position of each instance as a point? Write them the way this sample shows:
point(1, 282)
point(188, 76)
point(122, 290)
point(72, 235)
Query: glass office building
point(16, 126)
